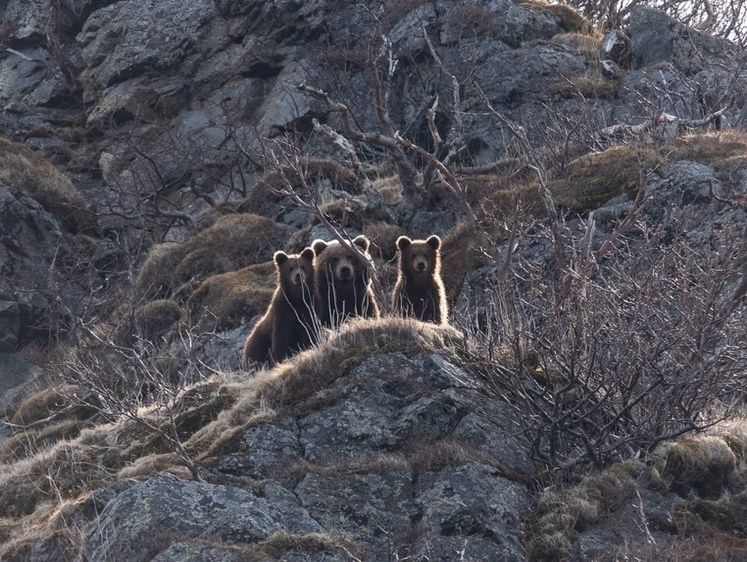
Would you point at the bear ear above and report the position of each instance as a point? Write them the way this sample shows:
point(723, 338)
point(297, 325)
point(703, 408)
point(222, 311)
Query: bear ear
point(434, 242)
point(318, 246)
point(280, 257)
point(362, 242)
point(308, 254)
point(403, 242)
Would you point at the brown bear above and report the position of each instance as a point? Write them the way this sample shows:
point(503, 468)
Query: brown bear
point(342, 280)
point(289, 325)
point(419, 291)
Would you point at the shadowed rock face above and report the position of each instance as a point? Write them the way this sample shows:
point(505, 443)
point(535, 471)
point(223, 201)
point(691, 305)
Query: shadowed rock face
point(394, 464)
point(29, 239)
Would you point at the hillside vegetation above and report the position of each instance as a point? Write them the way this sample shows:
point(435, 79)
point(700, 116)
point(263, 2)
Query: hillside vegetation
point(586, 174)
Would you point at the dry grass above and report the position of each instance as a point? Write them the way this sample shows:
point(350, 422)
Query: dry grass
point(718, 149)
point(702, 464)
point(227, 300)
point(155, 279)
point(63, 471)
point(699, 469)
point(21, 168)
point(311, 371)
point(157, 318)
point(389, 189)
point(590, 82)
point(593, 180)
point(24, 444)
point(40, 405)
point(560, 513)
point(568, 17)
point(58, 525)
point(233, 241)
point(277, 544)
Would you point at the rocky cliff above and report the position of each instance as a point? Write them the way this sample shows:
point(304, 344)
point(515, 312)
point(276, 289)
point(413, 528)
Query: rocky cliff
point(590, 188)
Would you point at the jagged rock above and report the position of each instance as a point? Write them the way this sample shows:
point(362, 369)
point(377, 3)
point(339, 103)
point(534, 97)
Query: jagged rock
point(394, 399)
point(29, 237)
point(121, 40)
point(656, 37)
point(10, 324)
point(27, 79)
point(375, 509)
point(187, 94)
point(138, 53)
point(406, 503)
point(503, 20)
point(471, 509)
point(144, 520)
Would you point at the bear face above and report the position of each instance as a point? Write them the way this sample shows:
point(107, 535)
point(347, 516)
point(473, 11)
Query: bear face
point(342, 280)
point(343, 262)
point(419, 259)
point(419, 291)
point(295, 272)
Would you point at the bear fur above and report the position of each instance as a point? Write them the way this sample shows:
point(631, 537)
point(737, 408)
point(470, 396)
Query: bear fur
point(419, 291)
point(342, 280)
point(290, 323)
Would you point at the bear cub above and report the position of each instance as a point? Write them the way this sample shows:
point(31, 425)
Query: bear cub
point(342, 279)
point(289, 323)
point(419, 291)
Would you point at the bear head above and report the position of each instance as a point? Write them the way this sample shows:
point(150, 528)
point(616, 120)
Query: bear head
point(294, 271)
point(344, 262)
point(419, 257)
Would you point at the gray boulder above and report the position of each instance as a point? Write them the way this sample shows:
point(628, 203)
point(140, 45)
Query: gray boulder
point(29, 238)
point(471, 510)
point(656, 37)
point(386, 458)
point(148, 518)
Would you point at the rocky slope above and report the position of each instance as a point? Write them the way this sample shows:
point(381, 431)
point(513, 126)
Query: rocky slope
point(158, 153)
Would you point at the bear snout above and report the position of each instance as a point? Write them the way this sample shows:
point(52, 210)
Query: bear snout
point(345, 272)
point(420, 265)
point(299, 277)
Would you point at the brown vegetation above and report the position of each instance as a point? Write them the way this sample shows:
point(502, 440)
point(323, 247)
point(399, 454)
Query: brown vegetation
point(21, 168)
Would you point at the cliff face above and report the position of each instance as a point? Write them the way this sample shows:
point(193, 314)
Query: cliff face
point(591, 195)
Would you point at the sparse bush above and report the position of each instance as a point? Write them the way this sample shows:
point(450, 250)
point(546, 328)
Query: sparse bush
point(617, 355)
point(724, 18)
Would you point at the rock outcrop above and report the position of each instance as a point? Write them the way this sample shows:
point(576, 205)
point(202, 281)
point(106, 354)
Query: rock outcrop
point(172, 152)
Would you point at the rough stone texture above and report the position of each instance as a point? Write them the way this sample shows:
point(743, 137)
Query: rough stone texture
point(121, 40)
point(381, 407)
point(29, 238)
point(374, 509)
point(386, 400)
point(196, 88)
point(471, 509)
point(148, 517)
point(656, 37)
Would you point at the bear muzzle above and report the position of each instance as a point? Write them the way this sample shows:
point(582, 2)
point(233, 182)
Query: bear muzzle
point(299, 278)
point(345, 272)
point(420, 265)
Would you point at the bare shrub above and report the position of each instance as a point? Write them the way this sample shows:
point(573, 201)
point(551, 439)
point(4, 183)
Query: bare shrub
point(164, 392)
point(637, 342)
